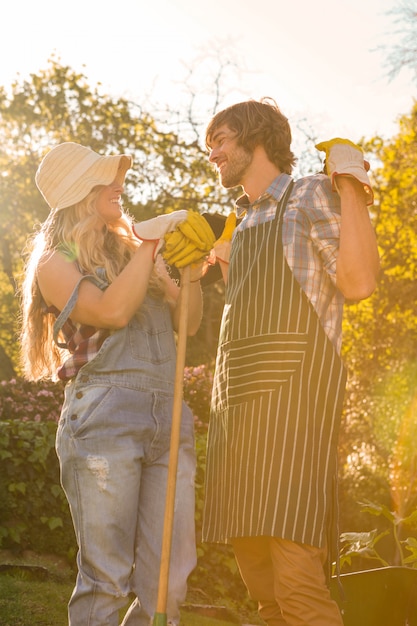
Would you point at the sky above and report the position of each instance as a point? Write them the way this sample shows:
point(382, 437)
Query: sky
point(321, 60)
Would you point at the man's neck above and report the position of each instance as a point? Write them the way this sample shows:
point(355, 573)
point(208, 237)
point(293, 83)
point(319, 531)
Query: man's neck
point(260, 175)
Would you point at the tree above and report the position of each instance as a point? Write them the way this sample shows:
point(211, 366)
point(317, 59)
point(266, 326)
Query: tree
point(381, 340)
point(56, 105)
point(403, 54)
point(171, 171)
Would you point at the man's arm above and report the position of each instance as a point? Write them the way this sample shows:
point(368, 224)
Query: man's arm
point(357, 265)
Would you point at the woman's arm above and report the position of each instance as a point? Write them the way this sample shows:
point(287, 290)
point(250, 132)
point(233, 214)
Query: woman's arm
point(111, 308)
point(173, 295)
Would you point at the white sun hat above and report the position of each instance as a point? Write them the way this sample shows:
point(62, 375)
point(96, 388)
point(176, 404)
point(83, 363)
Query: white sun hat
point(69, 172)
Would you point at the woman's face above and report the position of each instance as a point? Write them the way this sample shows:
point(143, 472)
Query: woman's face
point(109, 202)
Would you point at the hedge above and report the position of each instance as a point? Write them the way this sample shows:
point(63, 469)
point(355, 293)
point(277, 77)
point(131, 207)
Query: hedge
point(34, 513)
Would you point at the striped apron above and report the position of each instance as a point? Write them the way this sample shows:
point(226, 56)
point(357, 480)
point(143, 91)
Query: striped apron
point(276, 404)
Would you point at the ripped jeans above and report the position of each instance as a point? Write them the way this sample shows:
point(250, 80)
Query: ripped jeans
point(113, 446)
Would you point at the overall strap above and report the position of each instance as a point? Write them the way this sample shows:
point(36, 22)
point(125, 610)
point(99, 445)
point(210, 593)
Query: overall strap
point(68, 308)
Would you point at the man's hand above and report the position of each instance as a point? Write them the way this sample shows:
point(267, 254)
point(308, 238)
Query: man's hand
point(223, 244)
point(344, 158)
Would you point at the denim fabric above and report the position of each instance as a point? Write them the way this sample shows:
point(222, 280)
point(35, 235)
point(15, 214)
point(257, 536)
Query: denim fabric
point(113, 443)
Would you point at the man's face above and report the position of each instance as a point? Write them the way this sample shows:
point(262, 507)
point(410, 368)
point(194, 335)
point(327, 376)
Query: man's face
point(231, 160)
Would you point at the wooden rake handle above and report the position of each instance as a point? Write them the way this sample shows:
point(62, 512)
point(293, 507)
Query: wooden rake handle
point(160, 618)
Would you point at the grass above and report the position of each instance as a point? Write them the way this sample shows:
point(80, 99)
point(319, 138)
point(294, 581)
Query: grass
point(34, 603)
point(37, 593)
point(25, 603)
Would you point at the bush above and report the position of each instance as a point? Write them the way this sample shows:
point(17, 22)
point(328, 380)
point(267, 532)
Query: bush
point(30, 402)
point(198, 382)
point(34, 513)
point(34, 510)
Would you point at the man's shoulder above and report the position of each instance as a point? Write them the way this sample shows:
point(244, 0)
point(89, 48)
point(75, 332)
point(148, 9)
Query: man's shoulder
point(313, 180)
point(312, 199)
point(314, 188)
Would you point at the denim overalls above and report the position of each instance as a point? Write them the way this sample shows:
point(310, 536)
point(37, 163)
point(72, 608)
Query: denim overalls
point(113, 444)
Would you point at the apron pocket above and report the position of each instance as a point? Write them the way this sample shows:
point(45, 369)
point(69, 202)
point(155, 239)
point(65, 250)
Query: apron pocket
point(262, 363)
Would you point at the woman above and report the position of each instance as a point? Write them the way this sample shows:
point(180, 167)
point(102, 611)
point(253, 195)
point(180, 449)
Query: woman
point(98, 311)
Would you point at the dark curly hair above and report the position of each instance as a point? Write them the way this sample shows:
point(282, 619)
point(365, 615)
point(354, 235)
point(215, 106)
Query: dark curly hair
point(258, 123)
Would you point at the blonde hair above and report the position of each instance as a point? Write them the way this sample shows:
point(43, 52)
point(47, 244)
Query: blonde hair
point(77, 232)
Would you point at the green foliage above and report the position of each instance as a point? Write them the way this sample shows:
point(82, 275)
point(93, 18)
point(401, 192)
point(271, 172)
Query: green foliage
point(170, 170)
point(197, 392)
point(24, 602)
point(28, 602)
point(25, 401)
point(9, 315)
point(34, 514)
point(32, 504)
point(366, 545)
point(378, 444)
point(378, 459)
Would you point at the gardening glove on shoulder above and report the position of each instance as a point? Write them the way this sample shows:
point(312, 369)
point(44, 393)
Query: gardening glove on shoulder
point(156, 228)
point(190, 243)
point(223, 244)
point(344, 158)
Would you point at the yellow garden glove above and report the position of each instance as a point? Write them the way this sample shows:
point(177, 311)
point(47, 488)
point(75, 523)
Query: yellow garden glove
point(190, 243)
point(223, 244)
point(343, 157)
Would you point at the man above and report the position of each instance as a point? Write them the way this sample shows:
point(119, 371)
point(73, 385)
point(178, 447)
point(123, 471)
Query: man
point(301, 249)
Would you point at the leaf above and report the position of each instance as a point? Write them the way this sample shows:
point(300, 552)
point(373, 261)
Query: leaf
point(411, 545)
point(361, 545)
point(20, 487)
point(379, 509)
point(411, 520)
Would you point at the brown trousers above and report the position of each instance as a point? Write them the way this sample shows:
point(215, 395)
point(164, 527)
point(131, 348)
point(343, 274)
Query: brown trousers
point(287, 581)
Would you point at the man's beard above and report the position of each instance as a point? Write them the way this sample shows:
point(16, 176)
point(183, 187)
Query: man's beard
point(235, 168)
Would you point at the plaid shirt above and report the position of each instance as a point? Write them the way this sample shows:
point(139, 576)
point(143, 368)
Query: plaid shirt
point(310, 237)
point(83, 342)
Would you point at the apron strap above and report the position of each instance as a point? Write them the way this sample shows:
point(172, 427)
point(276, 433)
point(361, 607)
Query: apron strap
point(281, 204)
